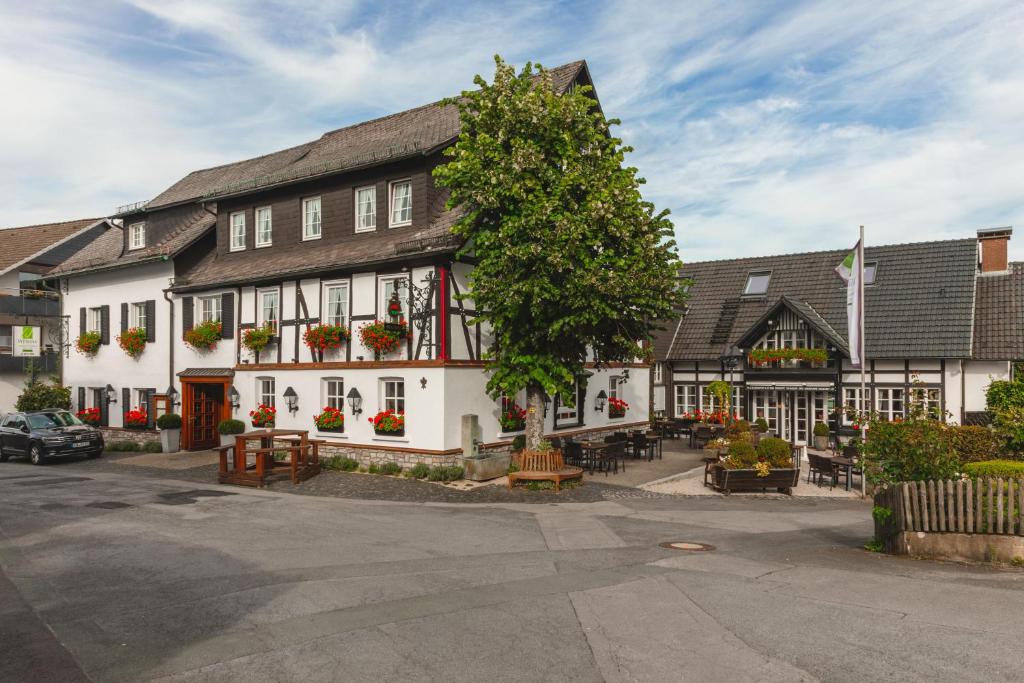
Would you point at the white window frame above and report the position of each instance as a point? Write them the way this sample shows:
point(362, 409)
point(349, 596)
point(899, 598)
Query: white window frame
point(307, 225)
point(233, 244)
point(137, 235)
point(658, 373)
point(767, 274)
point(94, 319)
point(373, 204)
point(325, 315)
point(140, 401)
point(384, 296)
point(852, 399)
point(262, 319)
point(885, 402)
point(137, 315)
point(201, 313)
point(261, 391)
point(737, 401)
point(392, 223)
point(389, 398)
point(327, 395)
point(564, 413)
point(613, 386)
point(685, 399)
point(260, 242)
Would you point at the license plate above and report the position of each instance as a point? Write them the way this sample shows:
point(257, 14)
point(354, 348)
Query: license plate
point(83, 444)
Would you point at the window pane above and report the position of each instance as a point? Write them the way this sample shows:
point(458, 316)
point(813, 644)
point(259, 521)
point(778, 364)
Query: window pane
point(263, 226)
point(366, 208)
point(401, 202)
point(337, 305)
point(311, 217)
point(238, 231)
point(757, 283)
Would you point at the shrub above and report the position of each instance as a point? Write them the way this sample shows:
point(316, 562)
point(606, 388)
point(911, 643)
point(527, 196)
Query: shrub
point(518, 443)
point(122, 446)
point(43, 395)
point(1007, 469)
point(820, 429)
point(1002, 394)
point(373, 469)
point(341, 464)
point(742, 456)
point(445, 473)
point(917, 450)
point(152, 447)
point(1009, 426)
point(737, 429)
point(228, 427)
point(169, 421)
point(776, 452)
point(974, 444)
point(762, 424)
point(419, 471)
point(719, 444)
point(392, 468)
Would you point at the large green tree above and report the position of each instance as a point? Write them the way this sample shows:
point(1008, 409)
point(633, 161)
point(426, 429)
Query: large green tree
point(569, 257)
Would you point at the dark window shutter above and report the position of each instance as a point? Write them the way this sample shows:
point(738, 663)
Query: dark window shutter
point(104, 409)
point(126, 400)
point(150, 320)
point(227, 316)
point(81, 395)
point(82, 321)
point(187, 311)
point(124, 318)
point(104, 324)
point(150, 421)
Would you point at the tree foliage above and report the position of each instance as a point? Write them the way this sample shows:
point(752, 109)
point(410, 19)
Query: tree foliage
point(43, 395)
point(569, 257)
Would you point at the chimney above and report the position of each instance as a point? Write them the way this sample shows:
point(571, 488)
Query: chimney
point(992, 246)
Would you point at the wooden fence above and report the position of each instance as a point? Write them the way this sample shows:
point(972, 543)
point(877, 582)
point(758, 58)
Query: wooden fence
point(981, 506)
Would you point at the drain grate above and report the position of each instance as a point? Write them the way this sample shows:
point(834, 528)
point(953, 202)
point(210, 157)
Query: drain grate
point(687, 545)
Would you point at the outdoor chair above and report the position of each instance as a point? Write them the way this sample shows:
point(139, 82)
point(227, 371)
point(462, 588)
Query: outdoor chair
point(643, 447)
point(611, 456)
point(818, 466)
point(573, 454)
point(620, 436)
point(702, 435)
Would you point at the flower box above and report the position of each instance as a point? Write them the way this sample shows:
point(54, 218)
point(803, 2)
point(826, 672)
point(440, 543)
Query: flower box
point(382, 432)
point(388, 423)
point(782, 479)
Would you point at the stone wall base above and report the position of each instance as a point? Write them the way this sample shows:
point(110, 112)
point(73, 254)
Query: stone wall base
point(960, 547)
point(136, 435)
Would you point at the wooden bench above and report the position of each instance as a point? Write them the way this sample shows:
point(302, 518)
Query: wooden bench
point(547, 466)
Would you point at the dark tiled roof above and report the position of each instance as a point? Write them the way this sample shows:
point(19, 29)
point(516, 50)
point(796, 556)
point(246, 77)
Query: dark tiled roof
point(999, 306)
point(662, 338)
point(408, 133)
point(106, 251)
point(207, 372)
point(921, 305)
point(18, 245)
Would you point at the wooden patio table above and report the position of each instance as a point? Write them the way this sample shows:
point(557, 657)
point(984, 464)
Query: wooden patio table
point(303, 460)
point(841, 463)
point(592, 451)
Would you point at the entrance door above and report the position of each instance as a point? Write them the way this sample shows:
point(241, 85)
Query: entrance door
point(205, 405)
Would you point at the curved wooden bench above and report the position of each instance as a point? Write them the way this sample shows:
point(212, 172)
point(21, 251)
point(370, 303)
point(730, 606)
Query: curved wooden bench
point(547, 466)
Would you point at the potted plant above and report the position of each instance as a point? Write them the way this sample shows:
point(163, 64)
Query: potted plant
point(820, 436)
point(258, 338)
point(617, 408)
point(228, 429)
point(325, 337)
point(133, 341)
point(330, 420)
point(388, 423)
point(383, 337)
point(205, 335)
point(88, 343)
point(264, 416)
point(90, 416)
point(770, 465)
point(513, 419)
point(136, 419)
point(170, 432)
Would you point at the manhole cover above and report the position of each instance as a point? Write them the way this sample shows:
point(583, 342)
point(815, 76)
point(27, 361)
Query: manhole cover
point(687, 545)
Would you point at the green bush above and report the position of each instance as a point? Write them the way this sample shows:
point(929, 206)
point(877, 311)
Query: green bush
point(820, 429)
point(43, 395)
point(1006, 469)
point(419, 471)
point(762, 424)
point(445, 473)
point(152, 447)
point(340, 464)
point(775, 451)
point(917, 450)
point(227, 427)
point(123, 446)
point(1003, 394)
point(1009, 426)
point(738, 430)
point(169, 421)
point(518, 443)
point(373, 468)
point(742, 456)
point(390, 468)
point(975, 444)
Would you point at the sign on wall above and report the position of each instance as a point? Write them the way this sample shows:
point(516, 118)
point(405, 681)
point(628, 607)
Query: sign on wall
point(27, 340)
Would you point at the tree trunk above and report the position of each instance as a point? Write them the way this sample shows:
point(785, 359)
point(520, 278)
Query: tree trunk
point(534, 416)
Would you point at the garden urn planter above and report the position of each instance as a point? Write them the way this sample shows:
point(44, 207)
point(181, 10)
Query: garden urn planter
point(821, 443)
point(170, 440)
point(227, 439)
point(486, 467)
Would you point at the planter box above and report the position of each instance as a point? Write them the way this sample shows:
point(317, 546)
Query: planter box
point(263, 426)
point(615, 414)
point(331, 430)
point(170, 440)
point(485, 467)
point(400, 432)
point(747, 480)
point(821, 443)
point(136, 428)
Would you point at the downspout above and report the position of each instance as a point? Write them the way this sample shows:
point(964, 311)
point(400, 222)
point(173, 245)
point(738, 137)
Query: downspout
point(170, 339)
point(963, 393)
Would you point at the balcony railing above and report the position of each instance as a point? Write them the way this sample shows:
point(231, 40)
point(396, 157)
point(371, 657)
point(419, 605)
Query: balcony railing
point(29, 302)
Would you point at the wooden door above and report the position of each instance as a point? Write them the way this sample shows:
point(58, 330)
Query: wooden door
point(205, 406)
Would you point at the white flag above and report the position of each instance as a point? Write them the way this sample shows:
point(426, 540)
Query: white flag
point(850, 271)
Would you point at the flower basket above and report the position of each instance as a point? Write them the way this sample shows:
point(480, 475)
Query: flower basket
point(388, 423)
point(205, 335)
point(136, 419)
point(325, 337)
point(617, 408)
point(258, 338)
point(90, 416)
point(88, 343)
point(513, 419)
point(762, 357)
point(133, 341)
point(382, 337)
point(330, 420)
point(264, 416)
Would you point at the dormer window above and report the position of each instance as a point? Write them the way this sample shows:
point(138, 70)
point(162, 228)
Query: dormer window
point(366, 209)
point(401, 203)
point(264, 227)
point(136, 235)
point(757, 283)
point(870, 268)
point(311, 218)
point(237, 221)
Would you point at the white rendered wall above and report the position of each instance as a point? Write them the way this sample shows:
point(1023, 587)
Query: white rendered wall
point(977, 377)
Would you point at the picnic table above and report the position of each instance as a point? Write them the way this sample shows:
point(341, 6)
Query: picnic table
point(302, 457)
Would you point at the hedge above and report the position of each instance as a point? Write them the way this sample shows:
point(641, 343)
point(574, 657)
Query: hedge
point(975, 444)
point(1007, 469)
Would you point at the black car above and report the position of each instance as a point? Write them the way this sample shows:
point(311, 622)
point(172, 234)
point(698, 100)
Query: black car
point(43, 434)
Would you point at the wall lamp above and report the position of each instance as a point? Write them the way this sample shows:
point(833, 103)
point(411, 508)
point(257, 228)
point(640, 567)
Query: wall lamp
point(292, 399)
point(111, 394)
point(355, 401)
point(600, 400)
point(234, 397)
point(625, 375)
point(172, 396)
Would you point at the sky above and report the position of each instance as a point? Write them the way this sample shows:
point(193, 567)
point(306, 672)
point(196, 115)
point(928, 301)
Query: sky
point(765, 127)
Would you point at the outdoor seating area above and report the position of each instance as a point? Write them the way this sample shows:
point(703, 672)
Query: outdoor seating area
point(262, 454)
point(844, 464)
point(611, 454)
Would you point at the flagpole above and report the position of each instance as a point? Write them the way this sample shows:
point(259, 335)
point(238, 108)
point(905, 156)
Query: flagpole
point(863, 354)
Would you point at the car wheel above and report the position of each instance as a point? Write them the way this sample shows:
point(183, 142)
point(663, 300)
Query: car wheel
point(95, 454)
point(35, 455)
